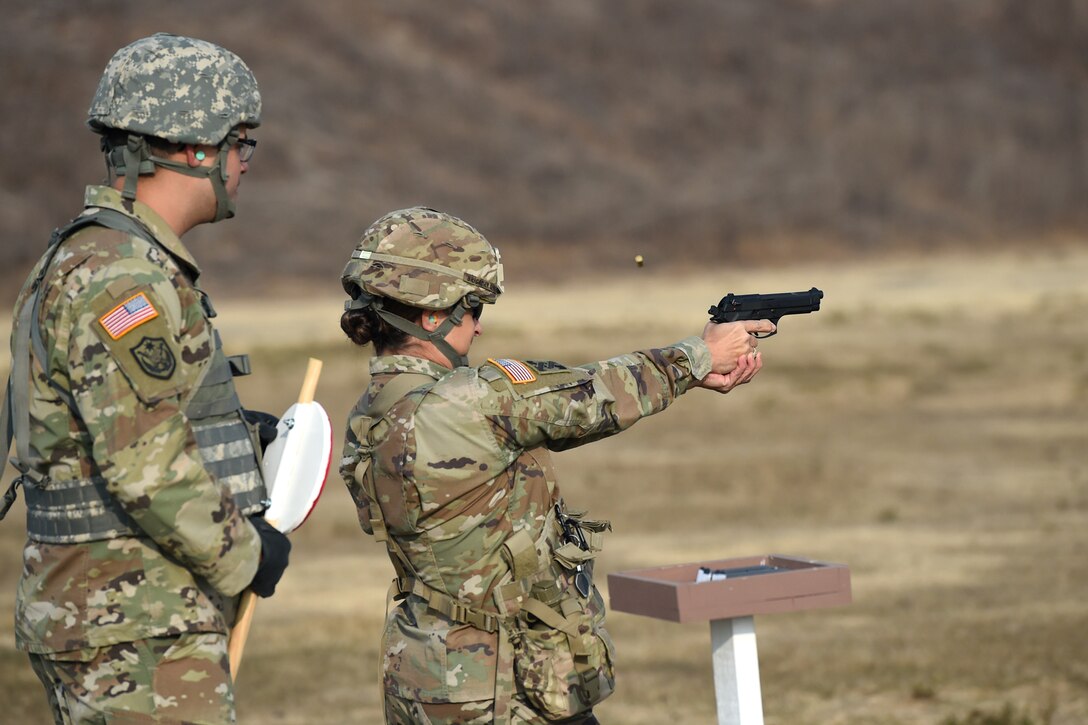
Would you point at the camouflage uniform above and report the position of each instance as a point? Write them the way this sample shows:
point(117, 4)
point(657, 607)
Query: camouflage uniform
point(466, 494)
point(138, 467)
point(498, 620)
point(99, 616)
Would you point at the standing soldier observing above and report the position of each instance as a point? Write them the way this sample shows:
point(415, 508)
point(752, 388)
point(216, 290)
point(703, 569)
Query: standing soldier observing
point(140, 468)
point(498, 619)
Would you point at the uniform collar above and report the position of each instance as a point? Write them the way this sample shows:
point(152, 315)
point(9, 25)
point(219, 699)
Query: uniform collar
point(105, 197)
point(386, 364)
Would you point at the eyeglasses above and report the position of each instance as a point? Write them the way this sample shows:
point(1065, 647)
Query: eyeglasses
point(245, 147)
point(477, 310)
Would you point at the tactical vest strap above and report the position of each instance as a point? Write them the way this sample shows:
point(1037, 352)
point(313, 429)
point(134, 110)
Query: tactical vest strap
point(15, 413)
point(371, 412)
point(75, 512)
point(109, 218)
point(230, 447)
point(521, 551)
point(5, 437)
point(239, 364)
point(393, 391)
point(225, 443)
point(216, 395)
point(83, 510)
point(504, 678)
point(407, 581)
point(553, 619)
point(447, 605)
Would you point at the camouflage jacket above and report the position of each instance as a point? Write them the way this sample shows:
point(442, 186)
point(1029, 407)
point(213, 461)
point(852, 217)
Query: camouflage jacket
point(131, 431)
point(462, 464)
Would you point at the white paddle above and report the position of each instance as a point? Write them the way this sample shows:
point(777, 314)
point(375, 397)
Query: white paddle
point(295, 467)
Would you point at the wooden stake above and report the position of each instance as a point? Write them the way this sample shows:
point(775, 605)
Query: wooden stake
point(309, 383)
point(240, 633)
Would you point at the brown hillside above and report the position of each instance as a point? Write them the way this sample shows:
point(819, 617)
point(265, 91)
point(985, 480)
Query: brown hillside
point(592, 128)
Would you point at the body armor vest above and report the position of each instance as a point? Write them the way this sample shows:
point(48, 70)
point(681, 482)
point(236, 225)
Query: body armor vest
point(82, 510)
point(535, 563)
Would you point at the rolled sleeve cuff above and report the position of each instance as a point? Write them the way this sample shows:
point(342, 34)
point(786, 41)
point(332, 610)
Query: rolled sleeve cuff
point(236, 569)
point(698, 355)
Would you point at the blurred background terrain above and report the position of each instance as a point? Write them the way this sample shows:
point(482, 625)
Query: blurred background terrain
point(940, 455)
point(924, 162)
point(582, 131)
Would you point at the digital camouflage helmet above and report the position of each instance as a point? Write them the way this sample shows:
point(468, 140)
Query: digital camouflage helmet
point(180, 90)
point(424, 259)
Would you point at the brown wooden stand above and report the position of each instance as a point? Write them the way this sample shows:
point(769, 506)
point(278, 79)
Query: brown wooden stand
point(782, 584)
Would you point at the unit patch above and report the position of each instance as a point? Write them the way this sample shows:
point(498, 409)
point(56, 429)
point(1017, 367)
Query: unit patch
point(544, 366)
point(516, 371)
point(128, 315)
point(155, 357)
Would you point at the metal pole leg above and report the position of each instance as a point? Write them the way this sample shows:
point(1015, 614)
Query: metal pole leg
point(736, 671)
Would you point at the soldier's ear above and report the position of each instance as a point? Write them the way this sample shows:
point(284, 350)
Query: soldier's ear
point(429, 321)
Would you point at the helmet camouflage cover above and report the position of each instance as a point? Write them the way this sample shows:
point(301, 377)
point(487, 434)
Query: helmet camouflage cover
point(424, 258)
point(175, 88)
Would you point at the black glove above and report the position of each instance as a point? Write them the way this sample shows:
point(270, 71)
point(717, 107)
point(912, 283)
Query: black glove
point(265, 423)
point(275, 548)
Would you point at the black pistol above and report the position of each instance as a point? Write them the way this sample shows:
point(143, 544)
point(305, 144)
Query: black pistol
point(773, 307)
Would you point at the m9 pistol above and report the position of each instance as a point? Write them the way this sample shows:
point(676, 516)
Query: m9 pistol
point(771, 307)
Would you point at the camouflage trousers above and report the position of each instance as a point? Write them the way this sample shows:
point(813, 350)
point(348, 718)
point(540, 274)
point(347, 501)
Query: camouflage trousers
point(399, 711)
point(183, 679)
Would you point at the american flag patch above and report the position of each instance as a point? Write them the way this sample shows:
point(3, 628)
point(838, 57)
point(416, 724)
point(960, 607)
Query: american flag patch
point(131, 313)
point(516, 371)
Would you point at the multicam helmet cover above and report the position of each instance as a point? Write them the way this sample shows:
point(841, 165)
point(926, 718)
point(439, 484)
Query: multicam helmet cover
point(428, 260)
point(424, 258)
point(175, 88)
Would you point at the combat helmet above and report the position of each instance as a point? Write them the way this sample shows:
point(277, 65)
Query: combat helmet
point(425, 259)
point(181, 90)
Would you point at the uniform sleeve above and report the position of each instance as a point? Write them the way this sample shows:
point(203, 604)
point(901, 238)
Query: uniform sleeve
point(353, 465)
point(135, 351)
point(578, 405)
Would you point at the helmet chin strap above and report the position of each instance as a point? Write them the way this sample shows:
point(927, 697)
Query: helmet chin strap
point(137, 154)
point(436, 336)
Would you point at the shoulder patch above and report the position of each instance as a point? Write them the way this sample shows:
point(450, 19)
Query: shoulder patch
point(518, 372)
point(135, 329)
point(532, 377)
point(155, 357)
point(545, 366)
point(128, 315)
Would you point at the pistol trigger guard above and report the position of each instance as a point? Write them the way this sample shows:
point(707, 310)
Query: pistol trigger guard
point(764, 335)
point(774, 321)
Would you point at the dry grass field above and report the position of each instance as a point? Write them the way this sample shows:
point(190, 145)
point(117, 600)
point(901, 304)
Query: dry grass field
point(928, 428)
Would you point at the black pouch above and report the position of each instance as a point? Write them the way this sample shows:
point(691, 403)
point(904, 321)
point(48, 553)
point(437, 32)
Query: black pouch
point(262, 428)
